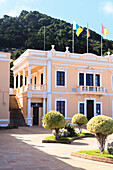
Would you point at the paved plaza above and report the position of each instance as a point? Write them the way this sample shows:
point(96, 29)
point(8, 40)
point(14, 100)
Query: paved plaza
point(22, 149)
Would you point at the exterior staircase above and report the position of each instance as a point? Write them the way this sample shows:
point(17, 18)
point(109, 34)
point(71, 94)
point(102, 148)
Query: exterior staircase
point(16, 116)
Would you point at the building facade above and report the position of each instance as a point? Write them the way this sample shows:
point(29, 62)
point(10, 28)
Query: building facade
point(68, 82)
point(4, 88)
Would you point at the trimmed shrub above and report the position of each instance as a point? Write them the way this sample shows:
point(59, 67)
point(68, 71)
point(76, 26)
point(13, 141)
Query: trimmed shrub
point(101, 126)
point(80, 120)
point(54, 120)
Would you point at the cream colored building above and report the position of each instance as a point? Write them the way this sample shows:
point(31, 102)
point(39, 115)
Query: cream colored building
point(4, 88)
point(68, 82)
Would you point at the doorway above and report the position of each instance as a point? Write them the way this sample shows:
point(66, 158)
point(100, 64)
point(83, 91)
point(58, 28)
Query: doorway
point(90, 109)
point(35, 115)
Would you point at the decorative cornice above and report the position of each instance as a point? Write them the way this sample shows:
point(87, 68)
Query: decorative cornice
point(6, 60)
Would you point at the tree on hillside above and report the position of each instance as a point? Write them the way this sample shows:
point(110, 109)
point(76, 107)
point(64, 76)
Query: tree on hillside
point(27, 31)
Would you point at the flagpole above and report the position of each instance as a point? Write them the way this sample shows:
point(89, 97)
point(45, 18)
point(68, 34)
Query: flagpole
point(44, 38)
point(101, 45)
point(72, 40)
point(87, 45)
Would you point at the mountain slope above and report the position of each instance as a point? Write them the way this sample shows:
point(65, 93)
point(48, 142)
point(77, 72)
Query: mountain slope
point(27, 31)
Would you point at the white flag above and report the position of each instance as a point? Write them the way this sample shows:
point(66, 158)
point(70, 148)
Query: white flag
point(74, 25)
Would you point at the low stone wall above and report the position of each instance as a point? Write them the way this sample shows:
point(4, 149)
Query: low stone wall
point(92, 157)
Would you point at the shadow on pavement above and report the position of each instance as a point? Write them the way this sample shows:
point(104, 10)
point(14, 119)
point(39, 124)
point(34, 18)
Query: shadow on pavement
point(27, 130)
point(78, 143)
point(17, 155)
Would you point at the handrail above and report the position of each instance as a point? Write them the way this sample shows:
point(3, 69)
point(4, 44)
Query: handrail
point(90, 88)
point(38, 87)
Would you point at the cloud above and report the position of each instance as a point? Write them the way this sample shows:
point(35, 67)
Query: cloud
point(2, 1)
point(107, 7)
point(16, 12)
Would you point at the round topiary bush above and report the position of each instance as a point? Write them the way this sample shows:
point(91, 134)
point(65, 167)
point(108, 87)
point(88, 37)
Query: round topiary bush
point(80, 120)
point(101, 126)
point(54, 120)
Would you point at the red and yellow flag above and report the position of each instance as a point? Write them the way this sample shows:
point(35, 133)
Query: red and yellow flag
point(104, 31)
point(88, 34)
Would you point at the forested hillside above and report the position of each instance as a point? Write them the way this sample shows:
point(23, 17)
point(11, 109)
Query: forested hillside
point(27, 31)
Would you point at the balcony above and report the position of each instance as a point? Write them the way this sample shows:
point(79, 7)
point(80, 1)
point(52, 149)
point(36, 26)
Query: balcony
point(91, 89)
point(30, 87)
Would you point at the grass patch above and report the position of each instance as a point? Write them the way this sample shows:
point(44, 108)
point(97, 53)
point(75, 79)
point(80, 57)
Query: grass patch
point(83, 133)
point(66, 138)
point(96, 153)
point(53, 138)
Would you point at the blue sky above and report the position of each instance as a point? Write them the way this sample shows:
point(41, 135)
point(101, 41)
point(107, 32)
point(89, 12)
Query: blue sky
point(96, 12)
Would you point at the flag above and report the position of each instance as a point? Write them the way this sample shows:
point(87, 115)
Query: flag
point(88, 34)
point(78, 30)
point(104, 31)
point(74, 25)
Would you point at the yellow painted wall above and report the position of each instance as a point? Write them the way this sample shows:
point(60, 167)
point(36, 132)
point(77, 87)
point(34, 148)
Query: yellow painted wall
point(73, 68)
point(4, 89)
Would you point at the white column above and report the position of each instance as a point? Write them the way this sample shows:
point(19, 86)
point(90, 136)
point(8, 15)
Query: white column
point(44, 106)
point(44, 75)
point(29, 118)
point(48, 102)
point(49, 70)
point(18, 80)
point(49, 81)
point(84, 79)
point(100, 80)
point(23, 77)
point(29, 74)
point(14, 82)
point(29, 107)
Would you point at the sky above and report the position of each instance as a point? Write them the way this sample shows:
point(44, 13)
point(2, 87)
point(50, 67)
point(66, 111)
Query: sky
point(95, 12)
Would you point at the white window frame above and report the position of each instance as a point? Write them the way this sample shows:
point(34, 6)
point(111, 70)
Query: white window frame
point(65, 105)
point(79, 107)
point(100, 106)
point(85, 100)
point(33, 77)
point(40, 72)
point(88, 72)
point(61, 70)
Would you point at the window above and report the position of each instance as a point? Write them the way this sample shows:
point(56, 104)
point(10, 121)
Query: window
point(81, 79)
point(21, 81)
point(60, 78)
point(97, 80)
point(31, 81)
point(35, 80)
point(89, 79)
point(81, 108)
point(60, 106)
point(98, 109)
point(42, 79)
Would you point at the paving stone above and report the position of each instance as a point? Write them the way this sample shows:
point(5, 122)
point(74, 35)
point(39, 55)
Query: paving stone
point(22, 149)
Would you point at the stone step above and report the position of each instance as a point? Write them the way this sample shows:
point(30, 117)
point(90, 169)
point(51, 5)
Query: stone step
point(16, 116)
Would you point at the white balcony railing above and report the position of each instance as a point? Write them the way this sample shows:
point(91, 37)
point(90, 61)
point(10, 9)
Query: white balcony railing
point(38, 87)
point(34, 87)
point(91, 89)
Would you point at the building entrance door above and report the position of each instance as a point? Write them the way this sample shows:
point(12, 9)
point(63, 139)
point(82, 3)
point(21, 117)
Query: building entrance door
point(35, 115)
point(90, 109)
